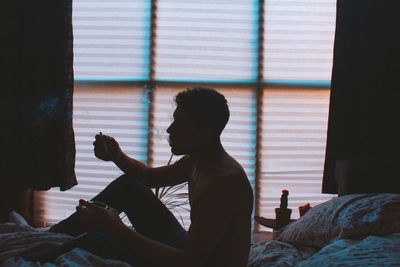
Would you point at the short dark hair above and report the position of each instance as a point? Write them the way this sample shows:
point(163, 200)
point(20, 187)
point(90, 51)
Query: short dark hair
point(208, 107)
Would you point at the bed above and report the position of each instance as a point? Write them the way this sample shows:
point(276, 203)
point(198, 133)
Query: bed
point(351, 230)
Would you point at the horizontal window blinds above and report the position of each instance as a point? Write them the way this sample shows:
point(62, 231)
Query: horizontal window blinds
point(238, 137)
point(206, 40)
point(299, 40)
point(293, 143)
point(111, 39)
point(202, 42)
point(119, 112)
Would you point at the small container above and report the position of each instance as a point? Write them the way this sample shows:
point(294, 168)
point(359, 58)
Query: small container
point(303, 209)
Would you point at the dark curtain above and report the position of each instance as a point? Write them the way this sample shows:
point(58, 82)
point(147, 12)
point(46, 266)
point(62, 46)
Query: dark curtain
point(364, 120)
point(36, 136)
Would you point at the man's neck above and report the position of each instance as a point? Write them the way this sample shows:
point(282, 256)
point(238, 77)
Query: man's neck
point(208, 157)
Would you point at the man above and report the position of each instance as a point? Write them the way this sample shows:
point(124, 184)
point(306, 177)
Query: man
point(220, 196)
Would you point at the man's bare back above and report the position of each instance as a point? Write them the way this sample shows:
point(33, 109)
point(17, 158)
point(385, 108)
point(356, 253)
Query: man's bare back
point(221, 202)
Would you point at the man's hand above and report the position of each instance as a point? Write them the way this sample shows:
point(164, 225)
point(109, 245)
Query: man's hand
point(99, 218)
point(106, 148)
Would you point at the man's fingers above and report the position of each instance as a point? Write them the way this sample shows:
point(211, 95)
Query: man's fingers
point(84, 214)
point(91, 206)
point(109, 139)
point(103, 137)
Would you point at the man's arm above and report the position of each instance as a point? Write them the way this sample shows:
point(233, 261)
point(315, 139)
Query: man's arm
point(107, 148)
point(131, 166)
point(173, 174)
point(108, 221)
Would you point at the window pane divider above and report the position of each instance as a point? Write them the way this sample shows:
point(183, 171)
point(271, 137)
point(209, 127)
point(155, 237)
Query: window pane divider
point(265, 84)
point(151, 86)
point(259, 103)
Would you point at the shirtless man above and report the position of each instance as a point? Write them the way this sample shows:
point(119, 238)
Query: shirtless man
point(220, 195)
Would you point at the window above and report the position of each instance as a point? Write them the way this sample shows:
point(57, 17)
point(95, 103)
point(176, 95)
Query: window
point(271, 59)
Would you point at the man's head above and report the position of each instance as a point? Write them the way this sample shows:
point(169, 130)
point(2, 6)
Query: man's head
point(200, 116)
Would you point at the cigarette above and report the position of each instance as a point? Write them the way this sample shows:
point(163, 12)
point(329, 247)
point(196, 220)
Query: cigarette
point(169, 161)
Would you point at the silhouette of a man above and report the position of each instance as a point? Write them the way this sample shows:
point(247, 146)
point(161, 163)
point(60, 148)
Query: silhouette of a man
point(220, 196)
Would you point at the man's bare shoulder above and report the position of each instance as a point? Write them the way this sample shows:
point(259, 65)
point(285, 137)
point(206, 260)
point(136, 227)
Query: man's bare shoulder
point(230, 167)
point(231, 175)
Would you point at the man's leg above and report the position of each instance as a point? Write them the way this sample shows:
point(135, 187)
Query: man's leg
point(147, 213)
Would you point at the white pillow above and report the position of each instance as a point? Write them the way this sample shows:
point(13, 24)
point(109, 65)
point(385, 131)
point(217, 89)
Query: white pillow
point(349, 216)
point(317, 227)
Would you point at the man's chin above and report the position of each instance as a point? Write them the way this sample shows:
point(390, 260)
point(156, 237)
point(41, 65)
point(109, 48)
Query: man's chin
point(176, 152)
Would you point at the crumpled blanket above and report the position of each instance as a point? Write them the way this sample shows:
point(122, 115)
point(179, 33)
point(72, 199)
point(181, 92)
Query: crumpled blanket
point(17, 240)
point(275, 253)
point(367, 251)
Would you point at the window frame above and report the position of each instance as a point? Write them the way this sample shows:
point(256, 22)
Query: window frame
point(260, 85)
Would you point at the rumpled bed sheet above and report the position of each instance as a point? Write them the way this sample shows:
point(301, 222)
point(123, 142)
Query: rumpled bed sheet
point(368, 251)
point(19, 240)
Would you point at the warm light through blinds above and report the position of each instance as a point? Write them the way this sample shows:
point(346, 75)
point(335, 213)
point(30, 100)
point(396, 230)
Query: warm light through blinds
point(293, 148)
point(119, 112)
point(238, 137)
point(206, 40)
point(111, 39)
point(299, 40)
point(203, 43)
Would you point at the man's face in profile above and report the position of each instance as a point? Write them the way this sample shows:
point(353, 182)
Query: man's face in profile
point(184, 137)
